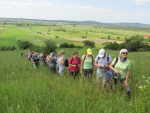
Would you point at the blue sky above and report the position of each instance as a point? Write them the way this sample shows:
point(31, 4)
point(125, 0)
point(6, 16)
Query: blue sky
point(106, 11)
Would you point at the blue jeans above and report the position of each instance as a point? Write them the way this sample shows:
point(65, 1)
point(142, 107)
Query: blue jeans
point(128, 90)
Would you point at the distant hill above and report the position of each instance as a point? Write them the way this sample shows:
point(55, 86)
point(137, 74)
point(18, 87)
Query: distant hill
point(67, 21)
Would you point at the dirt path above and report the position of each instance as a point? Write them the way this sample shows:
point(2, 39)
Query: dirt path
point(3, 32)
point(97, 41)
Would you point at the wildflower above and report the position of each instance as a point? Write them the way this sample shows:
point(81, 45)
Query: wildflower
point(144, 86)
point(18, 106)
point(146, 80)
point(148, 77)
point(140, 87)
point(143, 76)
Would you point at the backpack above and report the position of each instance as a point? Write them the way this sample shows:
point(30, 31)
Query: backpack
point(92, 58)
point(66, 63)
point(116, 61)
point(72, 59)
point(107, 60)
point(85, 57)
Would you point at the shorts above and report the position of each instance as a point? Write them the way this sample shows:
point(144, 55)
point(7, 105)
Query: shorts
point(87, 72)
point(101, 78)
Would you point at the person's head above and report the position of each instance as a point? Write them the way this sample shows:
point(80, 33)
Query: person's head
point(102, 53)
point(59, 54)
point(52, 55)
point(62, 52)
point(123, 53)
point(36, 57)
point(41, 55)
point(89, 52)
point(75, 55)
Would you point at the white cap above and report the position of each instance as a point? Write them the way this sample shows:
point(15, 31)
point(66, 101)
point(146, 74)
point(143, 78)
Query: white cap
point(123, 50)
point(101, 53)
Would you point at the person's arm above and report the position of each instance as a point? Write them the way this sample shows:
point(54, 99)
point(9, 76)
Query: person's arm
point(93, 67)
point(96, 64)
point(70, 62)
point(112, 68)
point(106, 66)
point(63, 60)
point(82, 65)
point(33, 62)
point(72, 65)
point(127, 76)
point(48, 61)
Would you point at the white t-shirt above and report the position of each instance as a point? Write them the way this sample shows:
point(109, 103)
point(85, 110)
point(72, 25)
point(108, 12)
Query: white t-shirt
point(102, 62)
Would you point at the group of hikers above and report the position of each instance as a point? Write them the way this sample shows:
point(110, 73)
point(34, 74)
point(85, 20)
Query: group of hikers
point(107, 69)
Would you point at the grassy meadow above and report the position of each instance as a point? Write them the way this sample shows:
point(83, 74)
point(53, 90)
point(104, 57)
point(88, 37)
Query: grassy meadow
point(25, 90)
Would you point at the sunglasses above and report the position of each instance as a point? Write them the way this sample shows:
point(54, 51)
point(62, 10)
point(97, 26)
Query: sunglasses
point(124, 53)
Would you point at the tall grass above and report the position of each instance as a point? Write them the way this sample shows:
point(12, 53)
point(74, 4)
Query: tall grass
point(24, 89)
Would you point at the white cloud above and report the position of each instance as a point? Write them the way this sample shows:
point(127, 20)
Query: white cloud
point(138, 2)
point(141, 1)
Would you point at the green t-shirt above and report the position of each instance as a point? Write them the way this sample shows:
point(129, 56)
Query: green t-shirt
point(122, 67)
point(87, 64)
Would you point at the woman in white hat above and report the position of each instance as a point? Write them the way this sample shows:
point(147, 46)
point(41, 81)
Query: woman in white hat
point(122, 68)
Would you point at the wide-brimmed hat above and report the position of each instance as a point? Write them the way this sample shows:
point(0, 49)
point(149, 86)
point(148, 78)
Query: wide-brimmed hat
point(101, 52)
point(89, 51)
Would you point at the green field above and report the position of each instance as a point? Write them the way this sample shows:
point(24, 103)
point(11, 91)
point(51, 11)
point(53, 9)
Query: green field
point(29, 33)
point(25, 90)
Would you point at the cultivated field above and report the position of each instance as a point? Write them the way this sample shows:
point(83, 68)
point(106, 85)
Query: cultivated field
point(97, 41)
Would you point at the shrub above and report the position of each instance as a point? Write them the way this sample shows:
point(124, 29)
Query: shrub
point(37, 48)
point(24, 44)
point(118, 37)
point(64, 45)
point(89, 43)
point(108, 36)
point(110, 45)
point(79, 46)
point(56, 37)
point(48, 33)
point(71, 46)
point(84, 36)
point(49, 46)
point(4, 48)
point(135, 43)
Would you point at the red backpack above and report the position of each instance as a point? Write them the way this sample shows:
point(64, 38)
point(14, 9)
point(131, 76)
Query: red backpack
point(85, 57)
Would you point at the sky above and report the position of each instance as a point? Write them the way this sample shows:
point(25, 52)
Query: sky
point(105, 11)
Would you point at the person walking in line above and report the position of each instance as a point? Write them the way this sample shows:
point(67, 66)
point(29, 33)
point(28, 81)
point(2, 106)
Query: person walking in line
point(21, 54)
point(102, 63)
point(44, 58)
point(41, 59)
point(36, 62)
point(62, 63)
point(52, 63)
point(87, 65)
point(122, 68)
point(74, 65)
point(57, 66)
